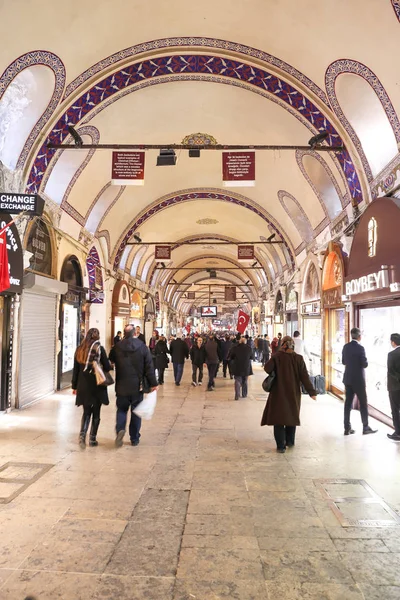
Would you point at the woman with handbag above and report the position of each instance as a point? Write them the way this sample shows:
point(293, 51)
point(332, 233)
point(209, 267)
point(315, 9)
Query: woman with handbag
point(286, 370)
point(91, 367)
point(161, 358)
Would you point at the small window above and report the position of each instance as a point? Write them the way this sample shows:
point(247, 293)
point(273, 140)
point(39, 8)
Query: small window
point(372, 237)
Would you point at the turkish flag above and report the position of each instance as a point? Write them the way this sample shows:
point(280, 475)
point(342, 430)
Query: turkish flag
point(4, 272)
point(243, 321)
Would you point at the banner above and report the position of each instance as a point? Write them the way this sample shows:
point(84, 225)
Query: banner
point(191, 295)
point(246, 252)
point(4, 273)
point(239, 169)
point(162, 253)
point(243, 321)
point(230, 293)
point(127, 168)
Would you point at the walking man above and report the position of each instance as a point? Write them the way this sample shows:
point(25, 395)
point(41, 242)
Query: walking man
point(213, 356)
point(241, 366)
point(355, 362)
point(133, 363)
point(393, 384)
point(179, 351)
point(226, 345)
point(198, 356)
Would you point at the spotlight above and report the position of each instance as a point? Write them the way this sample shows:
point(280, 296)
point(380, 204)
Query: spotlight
point(194, 153)
point(317, 139)
point(163, 265)
point(76, 137)
point(247, 282)
point(137, 238)
point(167, 157)
point(254, 264)
point(271, 237)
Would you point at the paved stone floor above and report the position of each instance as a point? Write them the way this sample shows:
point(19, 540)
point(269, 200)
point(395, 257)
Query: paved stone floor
point(202, 509)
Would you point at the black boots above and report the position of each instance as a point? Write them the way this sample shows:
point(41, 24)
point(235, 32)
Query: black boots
point(82, 434)
point(93, 432)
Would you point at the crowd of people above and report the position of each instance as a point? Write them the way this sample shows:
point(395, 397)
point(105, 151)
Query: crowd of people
point(140, 369)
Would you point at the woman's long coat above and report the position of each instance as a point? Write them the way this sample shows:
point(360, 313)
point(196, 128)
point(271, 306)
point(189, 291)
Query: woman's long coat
point(284, 400)
point(84, 382)
point(161, 354)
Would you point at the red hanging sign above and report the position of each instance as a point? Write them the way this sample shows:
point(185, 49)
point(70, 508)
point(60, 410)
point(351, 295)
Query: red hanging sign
point(4, 270)
point(243, 321)
point(162, 252)
point(239, 168)
point(230, 293)
point(246, 252)
point(127, 168)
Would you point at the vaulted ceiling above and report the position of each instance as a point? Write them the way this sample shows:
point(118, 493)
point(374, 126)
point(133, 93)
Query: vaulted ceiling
point(261, 72)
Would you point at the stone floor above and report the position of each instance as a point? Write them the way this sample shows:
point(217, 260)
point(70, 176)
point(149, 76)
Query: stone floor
point(203, 509)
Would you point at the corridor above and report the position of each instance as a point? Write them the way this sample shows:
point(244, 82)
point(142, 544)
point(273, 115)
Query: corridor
point(204, 508)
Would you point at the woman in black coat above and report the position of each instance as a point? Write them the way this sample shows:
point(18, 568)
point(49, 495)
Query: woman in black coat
point(88, 394)
point(161, 358)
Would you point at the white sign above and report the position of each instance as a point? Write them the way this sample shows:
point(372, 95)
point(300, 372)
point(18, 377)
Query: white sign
point(367, 283)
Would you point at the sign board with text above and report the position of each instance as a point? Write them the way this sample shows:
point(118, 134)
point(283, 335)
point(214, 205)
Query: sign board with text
point(230, 293)
point(246, 252)
point(15, 204)
point(127, 168)
point(239, 169)
point(191, 295)
point(162, 253)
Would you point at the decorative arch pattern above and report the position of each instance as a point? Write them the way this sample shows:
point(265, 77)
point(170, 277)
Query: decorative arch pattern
point(195, 66)
point(352, 66)
point(301, 221)
point(31, 59)
point(188, 196)
point(396, 8)
point(95, 275)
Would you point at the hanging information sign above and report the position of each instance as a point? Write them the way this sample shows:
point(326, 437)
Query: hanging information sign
point(127, 168)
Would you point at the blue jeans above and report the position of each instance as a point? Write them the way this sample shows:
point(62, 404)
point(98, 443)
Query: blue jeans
point(125, 403)
point(178, 372)
point(240, 386)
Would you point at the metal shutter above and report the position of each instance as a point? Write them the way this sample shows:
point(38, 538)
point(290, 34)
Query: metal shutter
point(38, 339)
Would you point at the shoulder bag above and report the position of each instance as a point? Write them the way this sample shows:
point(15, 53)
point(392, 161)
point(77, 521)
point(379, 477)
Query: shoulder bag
point(103, 378)
point(269, 382)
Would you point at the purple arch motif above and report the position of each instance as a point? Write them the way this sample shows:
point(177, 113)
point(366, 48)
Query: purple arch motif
point(32, 59)
point(187, 197)
point(93, 266)
point(396, 8)
point(174, 66)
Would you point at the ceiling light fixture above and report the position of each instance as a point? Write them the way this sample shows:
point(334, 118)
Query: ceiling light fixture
point(271, 237)
point(166, 158)
point(137, 238)
point(317, 139)
point(254, 264)
point(194, 153)
point(76, 137)
point(163, 265)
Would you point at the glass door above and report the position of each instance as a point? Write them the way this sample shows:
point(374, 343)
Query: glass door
point(336, 341)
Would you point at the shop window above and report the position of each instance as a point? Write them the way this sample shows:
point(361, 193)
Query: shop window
point(372, 237)
point(21, 106)
point(365, 113)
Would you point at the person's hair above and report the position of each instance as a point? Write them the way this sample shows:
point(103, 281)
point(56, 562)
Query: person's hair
point(93, 335)
point(395, 337)
point(129, 331)
point(119, 332)
point(296, 334)
point(355, 333)
point(287, 343)
point(280, 335)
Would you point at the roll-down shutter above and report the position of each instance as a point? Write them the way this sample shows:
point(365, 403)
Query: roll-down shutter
point(38, 340)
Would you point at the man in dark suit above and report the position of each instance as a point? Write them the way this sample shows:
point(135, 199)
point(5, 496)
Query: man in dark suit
point(355, 361)
point(393, 384)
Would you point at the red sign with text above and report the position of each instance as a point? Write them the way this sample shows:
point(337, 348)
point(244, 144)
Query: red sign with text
point(162, 252)
point(239, 168)
point(127, 168)
point(245, 252)
point(230, 293)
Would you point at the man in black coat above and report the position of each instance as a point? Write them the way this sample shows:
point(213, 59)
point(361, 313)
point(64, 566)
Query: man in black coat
point(179, 352)
point(355, 361)
point(133, 366)
point(118, 337)
point(139, 335)
point(213, 357)
point(240, 356)
point(393, 384)
point(226, 345)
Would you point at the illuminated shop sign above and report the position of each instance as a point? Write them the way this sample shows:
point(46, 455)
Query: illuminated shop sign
point(368, 283)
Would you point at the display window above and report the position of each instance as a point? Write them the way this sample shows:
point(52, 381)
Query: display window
point(376, 325)
point(312, 339)
point(337, 339)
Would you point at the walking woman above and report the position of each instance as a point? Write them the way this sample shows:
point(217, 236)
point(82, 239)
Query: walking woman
point(283, 405)
point(88, 394)
point(161, 358)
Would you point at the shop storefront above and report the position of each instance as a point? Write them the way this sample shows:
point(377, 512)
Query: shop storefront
point(136, 317)
point(336, 318)
point(72, 318)
point(121, 307)
point(278, 315)
point(149, 318)
point(311, 318)
point(9, 307)
point(292, 311)
point(39, 316)
point(373, 287)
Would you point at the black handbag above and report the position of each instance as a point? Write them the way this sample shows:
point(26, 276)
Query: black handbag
point(269, 382)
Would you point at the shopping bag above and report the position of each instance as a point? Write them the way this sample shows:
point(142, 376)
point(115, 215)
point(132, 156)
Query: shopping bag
point(145, 409)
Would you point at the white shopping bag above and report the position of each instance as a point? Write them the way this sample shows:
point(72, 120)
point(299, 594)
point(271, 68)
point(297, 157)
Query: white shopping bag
point(146, 408)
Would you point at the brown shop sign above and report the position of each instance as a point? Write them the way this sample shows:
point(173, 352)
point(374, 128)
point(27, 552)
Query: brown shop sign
point(332, 297)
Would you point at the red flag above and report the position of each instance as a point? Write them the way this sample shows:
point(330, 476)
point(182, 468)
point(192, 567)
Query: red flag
point(4, 272)
point(243, 321)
